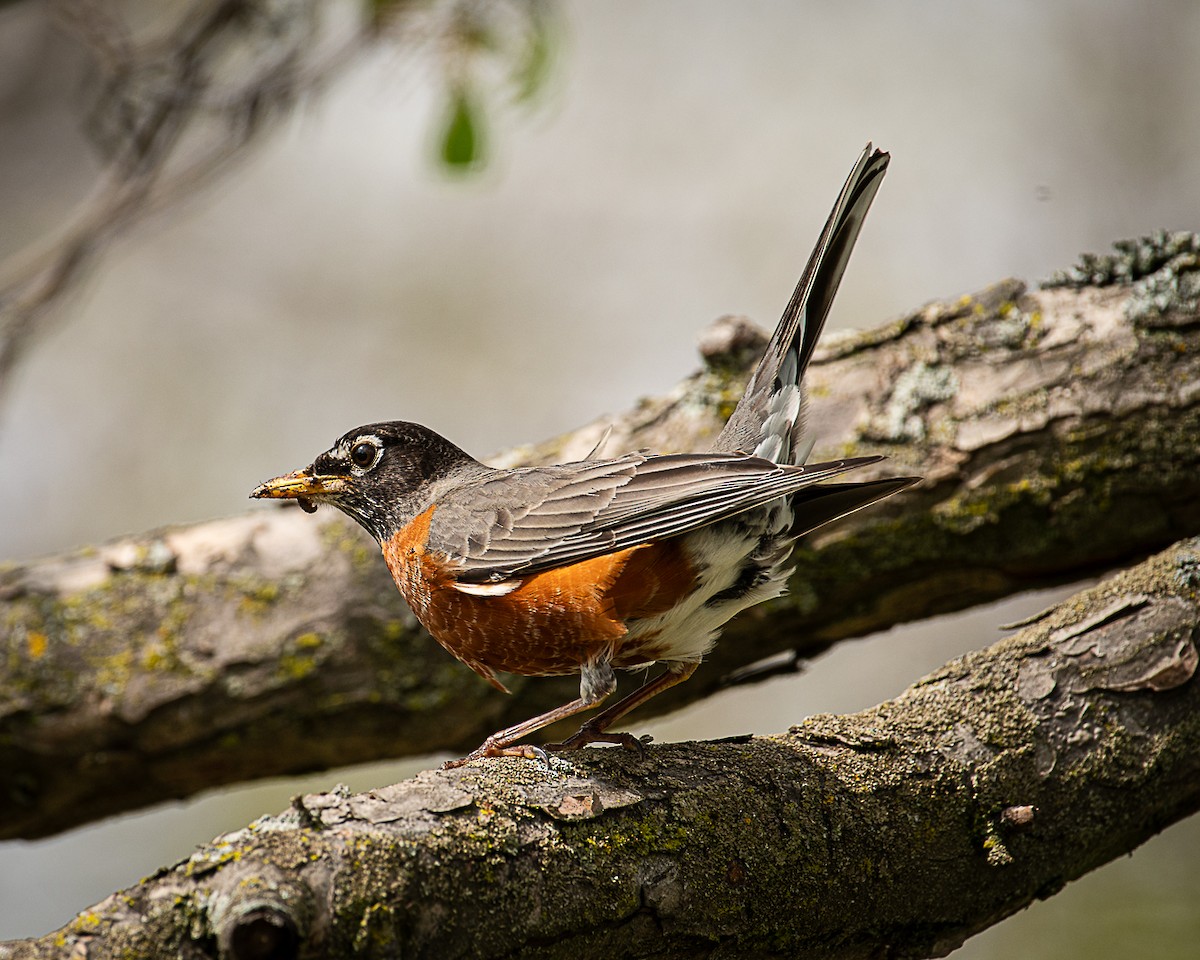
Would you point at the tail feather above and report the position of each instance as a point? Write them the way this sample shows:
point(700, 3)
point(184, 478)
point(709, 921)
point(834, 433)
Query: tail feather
point(826, 502)
point(769, 418)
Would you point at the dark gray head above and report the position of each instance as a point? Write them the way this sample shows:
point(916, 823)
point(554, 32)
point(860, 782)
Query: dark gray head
point(379, 474)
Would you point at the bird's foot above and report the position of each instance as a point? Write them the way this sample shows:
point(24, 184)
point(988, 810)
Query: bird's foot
point(588, 734)
point(490, 749)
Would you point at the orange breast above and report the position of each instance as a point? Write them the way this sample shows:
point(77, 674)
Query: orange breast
point(552, 622)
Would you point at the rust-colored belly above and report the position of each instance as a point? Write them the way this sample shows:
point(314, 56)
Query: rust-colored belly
point(552, 622)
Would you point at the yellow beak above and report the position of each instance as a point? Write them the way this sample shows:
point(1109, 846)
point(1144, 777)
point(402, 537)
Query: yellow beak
point(300, 486)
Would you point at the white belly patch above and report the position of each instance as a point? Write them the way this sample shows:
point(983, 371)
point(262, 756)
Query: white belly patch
point(688, 631)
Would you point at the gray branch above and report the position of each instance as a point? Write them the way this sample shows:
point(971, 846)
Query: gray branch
point(1056, 429)
point(897, 831)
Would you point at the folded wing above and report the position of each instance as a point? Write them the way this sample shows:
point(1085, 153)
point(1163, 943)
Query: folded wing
point(518, 523)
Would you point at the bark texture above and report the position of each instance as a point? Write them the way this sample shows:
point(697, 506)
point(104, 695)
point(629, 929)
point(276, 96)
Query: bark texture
point(1056, 430)
point(897, 831)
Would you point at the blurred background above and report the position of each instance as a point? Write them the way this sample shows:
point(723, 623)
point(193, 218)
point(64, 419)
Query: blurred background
point(432, 235)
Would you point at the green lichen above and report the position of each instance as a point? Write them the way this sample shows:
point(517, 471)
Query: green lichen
point(1187, 571)
point(1134, 259)
point(308, 641)
point(213, 857)
point(348, 539)
point(1010, 327)
point(301, 657)
point(258, 596)
point(717, 390)
point(917, 388)
point(1174, 291)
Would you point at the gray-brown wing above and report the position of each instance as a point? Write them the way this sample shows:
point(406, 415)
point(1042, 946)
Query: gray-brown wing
point(518, 523)
point(504, 517)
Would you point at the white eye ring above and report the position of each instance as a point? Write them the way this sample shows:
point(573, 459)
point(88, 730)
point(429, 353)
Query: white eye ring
point(365, 452)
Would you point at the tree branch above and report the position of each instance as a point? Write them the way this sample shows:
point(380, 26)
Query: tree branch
point(900, 830)
point(1056, 433)
point(173, 110)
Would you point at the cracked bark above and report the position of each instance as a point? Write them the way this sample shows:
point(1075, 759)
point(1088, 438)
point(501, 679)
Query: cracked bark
point(1055, 429)
point(900, 830)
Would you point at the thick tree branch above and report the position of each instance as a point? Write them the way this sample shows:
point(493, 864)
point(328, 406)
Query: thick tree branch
point(1056, 433)
point(900, 830)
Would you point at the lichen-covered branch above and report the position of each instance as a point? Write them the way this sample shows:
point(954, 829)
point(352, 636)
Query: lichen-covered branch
point(1057, 435)
point(900, 830)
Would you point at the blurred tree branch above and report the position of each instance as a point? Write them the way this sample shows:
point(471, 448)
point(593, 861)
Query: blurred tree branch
point(172, 110)
point(898, 831)
point(1056, 430)
point(169, 113)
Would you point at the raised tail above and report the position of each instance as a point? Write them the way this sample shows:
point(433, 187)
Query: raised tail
point(769, 419)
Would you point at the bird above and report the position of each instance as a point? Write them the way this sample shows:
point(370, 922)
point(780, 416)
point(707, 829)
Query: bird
point(606, 564)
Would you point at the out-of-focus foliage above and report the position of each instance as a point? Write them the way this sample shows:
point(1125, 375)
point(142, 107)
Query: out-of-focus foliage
point(180, 89)
point(485, 53)
point(461, 143)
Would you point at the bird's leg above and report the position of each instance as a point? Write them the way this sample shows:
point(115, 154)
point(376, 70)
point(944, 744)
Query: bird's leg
point(596, 682)
point(595, 730)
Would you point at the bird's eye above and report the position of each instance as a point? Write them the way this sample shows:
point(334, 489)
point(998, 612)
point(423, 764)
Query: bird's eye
point(363, 454)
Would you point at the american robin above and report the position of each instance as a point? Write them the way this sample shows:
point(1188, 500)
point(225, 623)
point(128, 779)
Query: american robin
point(606, 564)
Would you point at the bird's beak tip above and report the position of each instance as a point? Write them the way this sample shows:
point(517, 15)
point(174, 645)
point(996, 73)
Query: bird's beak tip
point(285, 487)
point(299, 485)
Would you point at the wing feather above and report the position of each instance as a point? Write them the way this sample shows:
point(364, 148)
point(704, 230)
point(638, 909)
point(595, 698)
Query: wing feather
point(519, 523)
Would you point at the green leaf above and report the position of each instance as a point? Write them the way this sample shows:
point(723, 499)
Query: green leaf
point(462, 145)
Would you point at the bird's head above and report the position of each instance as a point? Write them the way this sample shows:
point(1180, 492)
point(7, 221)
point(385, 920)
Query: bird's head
point(379, 474)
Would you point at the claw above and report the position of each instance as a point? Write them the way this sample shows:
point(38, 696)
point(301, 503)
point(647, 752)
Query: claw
point(526, 750)
point(588, 734)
